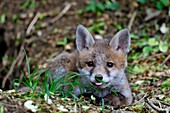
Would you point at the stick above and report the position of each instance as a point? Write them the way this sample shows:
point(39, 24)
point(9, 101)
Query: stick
point(31, 25)
point(132, 20)
point(67, 7)
point(152, 15)
point(142, 99)
point(64, 11)
point(167, 58)
point(13, 65)
point(167, 110)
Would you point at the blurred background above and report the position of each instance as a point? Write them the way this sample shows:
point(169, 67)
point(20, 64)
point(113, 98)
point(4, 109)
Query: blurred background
point(45, 28)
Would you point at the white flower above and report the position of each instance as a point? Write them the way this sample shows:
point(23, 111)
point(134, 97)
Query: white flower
point(28, 105)
point(47, 99)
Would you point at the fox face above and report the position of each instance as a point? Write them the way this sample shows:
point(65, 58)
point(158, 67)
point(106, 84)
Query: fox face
point(101, 63)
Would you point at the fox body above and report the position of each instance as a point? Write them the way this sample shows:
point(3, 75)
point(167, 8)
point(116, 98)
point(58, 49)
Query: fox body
point(101, 64)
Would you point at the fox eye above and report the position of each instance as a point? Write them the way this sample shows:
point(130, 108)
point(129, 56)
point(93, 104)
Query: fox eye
point(90, 63)
point(110, 64)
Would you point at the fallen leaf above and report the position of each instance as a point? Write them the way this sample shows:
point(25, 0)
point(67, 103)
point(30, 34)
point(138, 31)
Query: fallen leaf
point(11, 91)
point(85, 107)
point(139, 82)
point(164, 29)
point(28, 105)
point(151, 14)
point(62, 109)
point(98, 37)
point(163, 47)
point(161, 96)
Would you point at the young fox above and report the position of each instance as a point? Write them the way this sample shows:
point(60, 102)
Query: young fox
point(101, 64)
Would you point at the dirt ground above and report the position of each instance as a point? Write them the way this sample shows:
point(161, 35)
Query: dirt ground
point(20, 28)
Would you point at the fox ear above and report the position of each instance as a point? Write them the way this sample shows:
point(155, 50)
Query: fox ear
point(84, 39)
point(121, 41)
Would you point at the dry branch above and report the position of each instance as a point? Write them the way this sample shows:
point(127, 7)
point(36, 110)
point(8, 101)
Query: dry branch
point(167, 58)
point(132, 20)
point(31, 25)
point(13, 65)
point(64, 11)
point(151, 103)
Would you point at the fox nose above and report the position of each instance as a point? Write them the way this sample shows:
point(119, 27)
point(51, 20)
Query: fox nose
point(98, 78)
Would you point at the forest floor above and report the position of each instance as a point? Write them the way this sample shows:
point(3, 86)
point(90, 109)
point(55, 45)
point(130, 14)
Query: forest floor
point(46, 28)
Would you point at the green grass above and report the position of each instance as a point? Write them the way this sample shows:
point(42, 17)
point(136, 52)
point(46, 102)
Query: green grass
point(159, 4)
point(49, 85)
point(28, 3)
point(97, 28)
point(98, 7)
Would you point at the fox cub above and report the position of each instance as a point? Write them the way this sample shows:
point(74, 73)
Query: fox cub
point(101, 64)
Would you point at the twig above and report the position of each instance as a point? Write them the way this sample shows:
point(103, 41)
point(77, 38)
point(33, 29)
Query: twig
point(13, 65)
point(142, 99)
point(31, 25)
point(152, 15)
point(132, 20)
point(66, 8)
point(10, 105)
point(167, 58)
point(167, 110)
point(165, 103)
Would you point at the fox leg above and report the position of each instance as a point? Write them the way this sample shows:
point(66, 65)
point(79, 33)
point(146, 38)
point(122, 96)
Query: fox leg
point(128, 96)
point(115, 100)
point(123, 88)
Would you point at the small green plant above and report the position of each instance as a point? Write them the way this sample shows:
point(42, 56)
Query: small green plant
point(62, 43)
point(162, 4)
point(151, 44)
point(154, 44)
point(99, 7)
point(95, 7)
point(28, 3)
point(2, 18)
point(49, 85)
point(15, 18)
point(139, 108)
point(166, 84)
point(159, 4)
point(32, 80)
point(141, 1)
point(60, 84)
point(97, 28)
point(102, 105)
point(2, 109)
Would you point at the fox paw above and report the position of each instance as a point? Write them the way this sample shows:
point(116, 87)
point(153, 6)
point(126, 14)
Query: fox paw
point(115, 100)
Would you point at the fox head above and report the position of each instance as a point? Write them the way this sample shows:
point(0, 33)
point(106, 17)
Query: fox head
point(102, 61)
